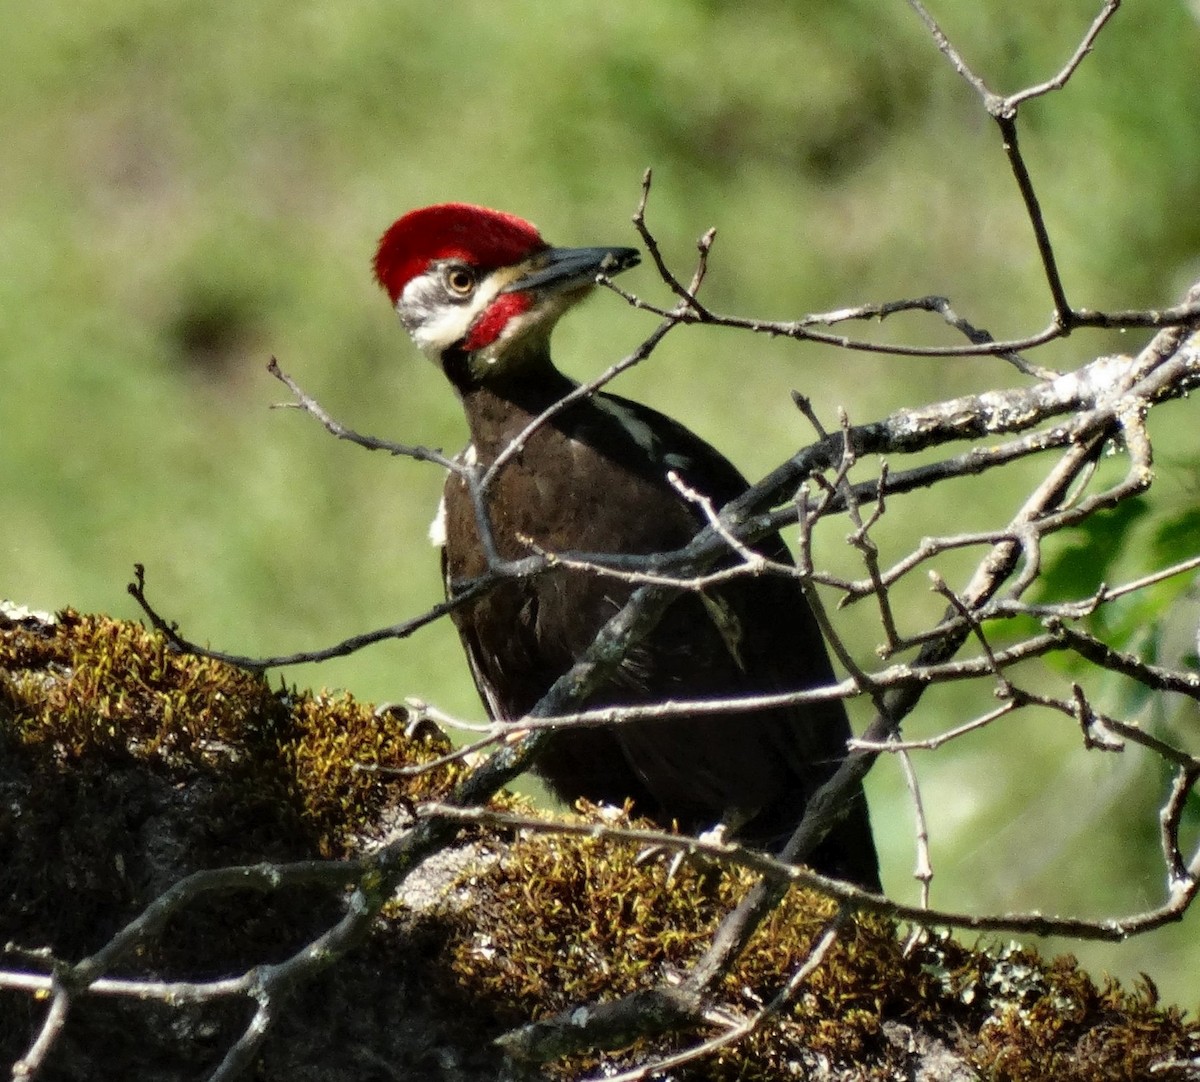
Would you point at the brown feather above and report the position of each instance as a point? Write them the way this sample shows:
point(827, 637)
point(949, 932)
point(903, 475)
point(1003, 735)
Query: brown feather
point(593, 479)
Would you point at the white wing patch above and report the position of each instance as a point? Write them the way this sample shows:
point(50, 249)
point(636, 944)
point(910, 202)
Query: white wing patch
point(437, 528)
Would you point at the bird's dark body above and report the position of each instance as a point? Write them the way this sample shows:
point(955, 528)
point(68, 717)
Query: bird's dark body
point(480, 292)
point(594, 479)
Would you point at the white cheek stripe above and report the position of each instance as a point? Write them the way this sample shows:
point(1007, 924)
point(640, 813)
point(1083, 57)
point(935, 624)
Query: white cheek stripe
point(441, 324)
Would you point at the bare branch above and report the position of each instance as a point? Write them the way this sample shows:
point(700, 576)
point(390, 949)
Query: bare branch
point(923, 873)
point(687, 297)
point(1172, 815)
point(335, 428)
point(341, 649)
point(1014, 101)
point(29, 1065)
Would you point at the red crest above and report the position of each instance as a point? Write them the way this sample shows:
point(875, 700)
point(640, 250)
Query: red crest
point(480, 237)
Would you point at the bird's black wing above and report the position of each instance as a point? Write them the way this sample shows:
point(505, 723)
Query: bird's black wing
point(595, 480)
point(755, 635)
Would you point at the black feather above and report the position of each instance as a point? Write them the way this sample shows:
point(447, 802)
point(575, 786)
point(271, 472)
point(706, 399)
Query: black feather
point(594, 479)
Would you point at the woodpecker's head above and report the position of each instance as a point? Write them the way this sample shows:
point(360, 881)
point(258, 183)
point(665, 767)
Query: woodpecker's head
point(481, 287)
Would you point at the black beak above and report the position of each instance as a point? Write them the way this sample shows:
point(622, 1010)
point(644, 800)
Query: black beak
point(562, 269)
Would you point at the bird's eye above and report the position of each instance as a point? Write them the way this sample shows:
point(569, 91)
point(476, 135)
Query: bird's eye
point(460, 280)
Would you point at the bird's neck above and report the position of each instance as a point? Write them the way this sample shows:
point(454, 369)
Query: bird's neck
point(500, 407)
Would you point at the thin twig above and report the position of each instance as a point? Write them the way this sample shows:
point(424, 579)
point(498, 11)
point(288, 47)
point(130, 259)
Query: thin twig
point(1085, 47)
point(923, 872)
point(30, 1064)
point(1170, 818)
point(311, 406)
point(743, 1029)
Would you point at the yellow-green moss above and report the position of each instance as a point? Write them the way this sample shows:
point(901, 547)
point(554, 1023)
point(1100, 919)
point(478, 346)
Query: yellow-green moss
point(561, 922)
point(557, 922)
point(1063, 1025)
point(88, 687)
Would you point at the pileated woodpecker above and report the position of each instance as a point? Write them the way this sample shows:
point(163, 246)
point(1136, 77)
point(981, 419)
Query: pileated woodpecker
point(480, 291)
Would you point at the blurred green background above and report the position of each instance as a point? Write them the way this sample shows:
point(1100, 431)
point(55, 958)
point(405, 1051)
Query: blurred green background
point(189, 188)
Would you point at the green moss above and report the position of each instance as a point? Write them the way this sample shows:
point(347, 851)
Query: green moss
point(100, 716)
point(334, 747)
point(92, 687)
point(89, 688)
point(559, 922)
point(562, 922)
point(1062, 1025)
